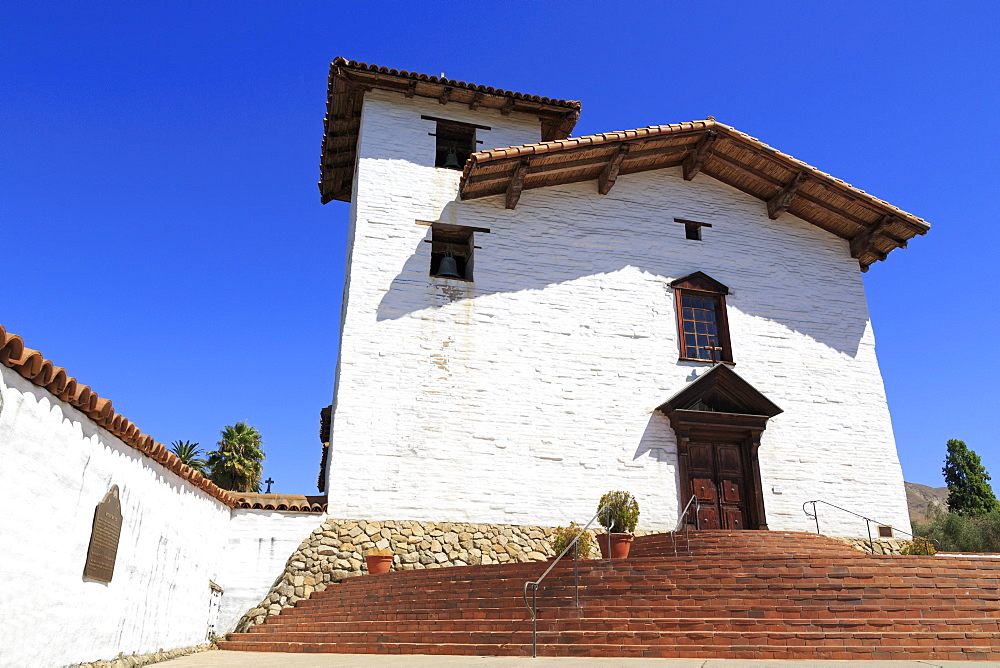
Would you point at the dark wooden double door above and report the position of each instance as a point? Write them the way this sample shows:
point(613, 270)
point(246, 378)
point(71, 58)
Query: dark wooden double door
point(717, 477)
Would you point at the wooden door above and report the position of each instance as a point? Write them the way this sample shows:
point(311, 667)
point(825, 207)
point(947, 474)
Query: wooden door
point(717, 479)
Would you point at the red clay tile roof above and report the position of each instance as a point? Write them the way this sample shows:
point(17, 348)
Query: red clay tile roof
point(43, 373)
point(728, 155)
point(350, 79)
point(293, 502)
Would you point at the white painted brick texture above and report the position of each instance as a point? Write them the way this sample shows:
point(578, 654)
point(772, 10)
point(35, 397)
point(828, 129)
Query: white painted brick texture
point(523, 397)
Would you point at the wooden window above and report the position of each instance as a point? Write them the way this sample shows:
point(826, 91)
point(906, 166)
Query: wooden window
point(702, 325)
point(453, 137)
point(455, 242)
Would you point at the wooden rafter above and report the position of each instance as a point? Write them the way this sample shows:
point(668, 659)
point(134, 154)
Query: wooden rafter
point(411, 89)
point(695, 161)
point(516, 185)
point(476, 100)
point(610, 173)
point(865, 241)
point(445, 95)
point(508, 106)
point(781, 201)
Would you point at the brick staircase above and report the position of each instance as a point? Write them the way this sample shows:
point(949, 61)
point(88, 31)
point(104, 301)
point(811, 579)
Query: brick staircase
point(743, 595)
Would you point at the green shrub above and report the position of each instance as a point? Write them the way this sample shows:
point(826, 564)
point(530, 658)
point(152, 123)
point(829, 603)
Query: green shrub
point(919, 545)
point(963, 533)
point(621, 514)
point(563, 536)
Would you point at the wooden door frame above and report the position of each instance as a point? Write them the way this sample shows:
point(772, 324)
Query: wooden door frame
point(738, 429)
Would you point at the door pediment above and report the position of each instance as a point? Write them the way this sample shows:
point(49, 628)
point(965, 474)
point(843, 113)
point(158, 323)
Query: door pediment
point(721, 390)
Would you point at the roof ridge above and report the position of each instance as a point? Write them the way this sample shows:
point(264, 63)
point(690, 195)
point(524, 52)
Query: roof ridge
point(33, 366)
point(340, 61)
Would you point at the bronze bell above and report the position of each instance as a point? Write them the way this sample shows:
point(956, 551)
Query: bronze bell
point(451, 160)
point(448, 268)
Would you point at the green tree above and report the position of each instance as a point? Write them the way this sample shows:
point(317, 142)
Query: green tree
point(238, 463)
point(969, 491)
point(190, 454)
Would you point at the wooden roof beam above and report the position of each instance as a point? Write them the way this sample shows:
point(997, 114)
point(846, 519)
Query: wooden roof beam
point(516, 185)
point(695, 161)
point(778, 204)
point(411, 89)
point(445, 95)
point(476, 100)
point(610, 174)
point(864, 242)
point(508, 106)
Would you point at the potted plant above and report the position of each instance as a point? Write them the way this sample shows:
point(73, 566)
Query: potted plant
point(563, 536)
point(379, 561)
point(619, 516)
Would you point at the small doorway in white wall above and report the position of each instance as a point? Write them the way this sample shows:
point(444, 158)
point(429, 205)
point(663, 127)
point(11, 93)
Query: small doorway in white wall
point(214, 603)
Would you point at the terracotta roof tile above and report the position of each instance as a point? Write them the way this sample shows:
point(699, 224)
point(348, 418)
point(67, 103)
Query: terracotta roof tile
point(290, 502)
point(358, 65)
point(34, 367)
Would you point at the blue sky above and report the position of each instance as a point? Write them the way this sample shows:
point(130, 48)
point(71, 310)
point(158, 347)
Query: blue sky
point(164, 238)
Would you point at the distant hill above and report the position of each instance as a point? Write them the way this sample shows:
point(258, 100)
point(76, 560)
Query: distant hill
point(921, 498)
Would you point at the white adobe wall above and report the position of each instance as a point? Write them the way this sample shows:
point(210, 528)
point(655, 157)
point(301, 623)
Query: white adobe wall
point(522, 398)
point(55, 467)
point(258, 545)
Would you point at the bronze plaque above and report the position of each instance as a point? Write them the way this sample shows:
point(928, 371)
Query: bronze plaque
point(104, 538)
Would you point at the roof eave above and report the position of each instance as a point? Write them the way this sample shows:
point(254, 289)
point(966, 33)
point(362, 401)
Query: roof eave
point(874, 227)
point(350, 80)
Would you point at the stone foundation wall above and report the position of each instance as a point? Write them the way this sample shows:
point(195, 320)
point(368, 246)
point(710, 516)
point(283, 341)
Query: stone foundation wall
point(131, 660)
point(335, 551)
point(891, 547)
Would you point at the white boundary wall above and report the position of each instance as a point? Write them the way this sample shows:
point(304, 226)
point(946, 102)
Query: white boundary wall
point(55, 467)
point(523, 397)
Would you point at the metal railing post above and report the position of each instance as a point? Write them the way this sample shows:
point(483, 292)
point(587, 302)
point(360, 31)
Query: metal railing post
point(576, 576)
point(534, 621)
point(871, 543)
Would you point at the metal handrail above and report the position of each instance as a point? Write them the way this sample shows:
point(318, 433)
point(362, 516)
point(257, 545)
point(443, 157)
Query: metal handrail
point(533, 607)
point(682, 523)
point(868, 523)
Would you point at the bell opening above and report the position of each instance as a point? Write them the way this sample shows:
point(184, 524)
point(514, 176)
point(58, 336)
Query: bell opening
point(455, 143)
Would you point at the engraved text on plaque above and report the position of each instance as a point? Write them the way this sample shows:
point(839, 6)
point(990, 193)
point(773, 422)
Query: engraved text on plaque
point(104, 538)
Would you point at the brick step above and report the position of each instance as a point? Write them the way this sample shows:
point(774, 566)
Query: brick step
point(620, 637)
point(642, 624)
point(844, 652)
point(665, 578)
point(801, 605)
point(915, 566)
point(821, 591)
point(715, 611)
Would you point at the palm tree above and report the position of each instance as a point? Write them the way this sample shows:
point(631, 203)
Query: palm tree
point(237, 464)
point(190, 454)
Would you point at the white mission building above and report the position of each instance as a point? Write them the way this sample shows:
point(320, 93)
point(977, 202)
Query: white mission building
point(530, 320)
point(675, 311)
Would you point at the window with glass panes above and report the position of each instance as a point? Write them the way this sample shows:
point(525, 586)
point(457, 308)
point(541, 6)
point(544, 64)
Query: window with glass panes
point(700, 328)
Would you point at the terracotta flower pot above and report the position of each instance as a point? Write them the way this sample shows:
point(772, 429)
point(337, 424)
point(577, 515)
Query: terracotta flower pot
point(378, 563)
point(620, 544)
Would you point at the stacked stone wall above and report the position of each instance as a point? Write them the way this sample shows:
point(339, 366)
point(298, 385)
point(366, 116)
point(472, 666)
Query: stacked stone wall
point(336, 549)
point(878, 546)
